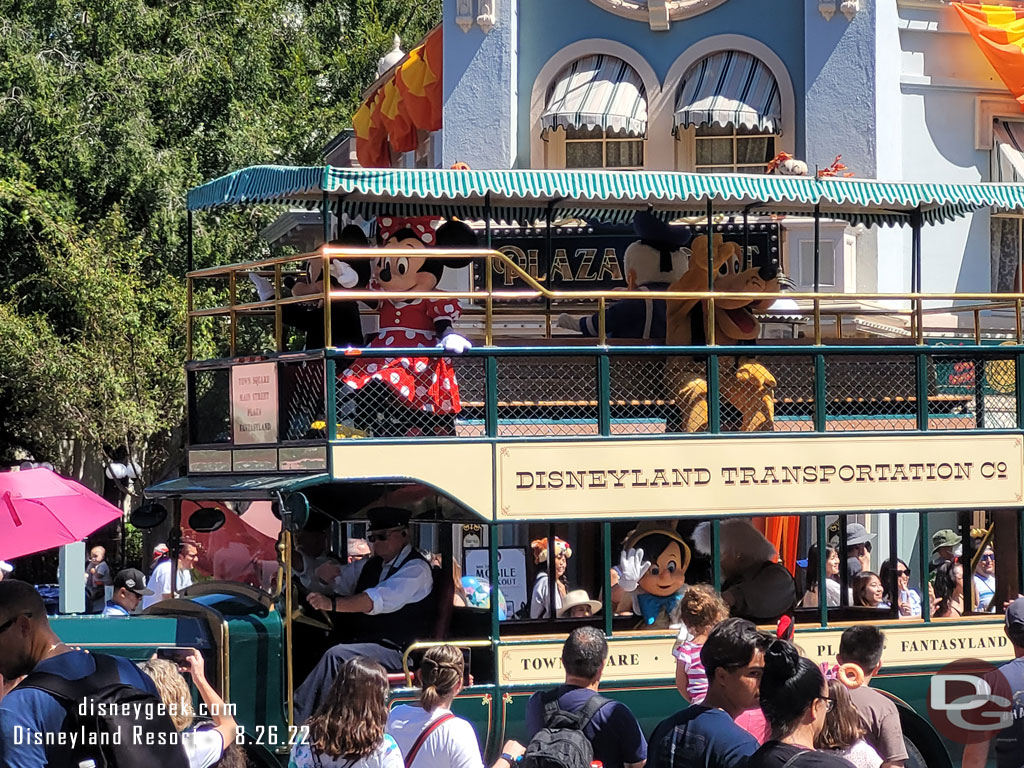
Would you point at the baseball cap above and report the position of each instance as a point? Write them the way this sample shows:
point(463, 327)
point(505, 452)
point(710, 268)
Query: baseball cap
point(855, 534)
point(1015, 615)
point(945, 538)
point(5, 566)
point(133, 580)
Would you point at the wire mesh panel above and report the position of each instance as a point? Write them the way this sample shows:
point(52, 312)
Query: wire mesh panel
point(972, 392)
point(209, 406)
point(686, 384)
point(793, 392)
point(642, 400)
point(301, 397)
point(547, 396)
point(870, 393)
point(408, 396)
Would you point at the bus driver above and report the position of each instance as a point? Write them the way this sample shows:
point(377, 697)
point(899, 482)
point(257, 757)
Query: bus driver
point(389, 601)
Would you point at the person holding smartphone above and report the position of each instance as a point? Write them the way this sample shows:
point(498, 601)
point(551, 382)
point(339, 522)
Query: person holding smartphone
point(204, 742)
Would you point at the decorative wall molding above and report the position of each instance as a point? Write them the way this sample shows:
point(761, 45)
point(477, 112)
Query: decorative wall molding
point(464, 14)
point(850, 8)
point(485, 17)
point(657, 13)
point(986, 110)
point(827, 8)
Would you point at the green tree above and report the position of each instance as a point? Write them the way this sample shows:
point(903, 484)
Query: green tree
point(110, 110)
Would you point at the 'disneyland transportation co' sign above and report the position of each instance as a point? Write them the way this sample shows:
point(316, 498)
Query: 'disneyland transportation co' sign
point(758, 475)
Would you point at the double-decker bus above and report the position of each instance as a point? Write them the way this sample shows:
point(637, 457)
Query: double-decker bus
point(580, 438)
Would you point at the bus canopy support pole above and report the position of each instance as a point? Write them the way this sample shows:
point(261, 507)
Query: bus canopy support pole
point(491, 395)
point(916, 222)
point(716, 553)
point(822, 575)
point(925, 556)
point(817, 247)
point(893, 585)
point(604, 394)
point(489, 276)
point(746, 239)
point(964, 524)
point(325, 216)
point(922, 391)
point(330, 399)
point(820, 410)
point(552, 574)
point(608, 602)
point(492, 556)
point(547, 265)
point(844, 568)
point(714, 388)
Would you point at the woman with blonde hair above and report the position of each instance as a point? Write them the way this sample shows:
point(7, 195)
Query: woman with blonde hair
point(429, 734)
point(843, 732)
point(204, 743)
point(347, 731)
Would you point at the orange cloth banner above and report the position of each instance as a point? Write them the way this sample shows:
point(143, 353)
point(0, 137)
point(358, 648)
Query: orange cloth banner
point(999, 32)
point(407, 103)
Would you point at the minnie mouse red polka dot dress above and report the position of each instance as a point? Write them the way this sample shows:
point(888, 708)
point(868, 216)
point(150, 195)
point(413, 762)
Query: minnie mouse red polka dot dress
point(427, 384)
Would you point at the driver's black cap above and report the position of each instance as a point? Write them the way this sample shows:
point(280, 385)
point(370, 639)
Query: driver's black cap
point(382, 518)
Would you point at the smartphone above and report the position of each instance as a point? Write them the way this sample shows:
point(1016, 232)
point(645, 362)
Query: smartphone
point(176, 654)
point(467, 659)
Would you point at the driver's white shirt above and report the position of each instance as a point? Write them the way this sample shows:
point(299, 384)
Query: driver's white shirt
point(160, 583)
point(410, 584)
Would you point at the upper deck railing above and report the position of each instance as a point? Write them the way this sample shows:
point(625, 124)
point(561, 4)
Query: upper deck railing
point(567, 386)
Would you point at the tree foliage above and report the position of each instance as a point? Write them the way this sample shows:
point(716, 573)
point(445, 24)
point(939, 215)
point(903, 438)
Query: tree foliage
point(110, 110)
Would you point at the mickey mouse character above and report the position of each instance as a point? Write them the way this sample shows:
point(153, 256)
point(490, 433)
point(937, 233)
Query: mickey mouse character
point(425, 386)
point(655, 573)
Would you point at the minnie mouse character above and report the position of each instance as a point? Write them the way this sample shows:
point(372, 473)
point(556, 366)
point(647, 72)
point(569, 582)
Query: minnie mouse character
point(426, 390)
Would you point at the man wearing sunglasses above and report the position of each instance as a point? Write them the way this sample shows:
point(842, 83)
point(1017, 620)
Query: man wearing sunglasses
point(387, 600)
point(985, 582)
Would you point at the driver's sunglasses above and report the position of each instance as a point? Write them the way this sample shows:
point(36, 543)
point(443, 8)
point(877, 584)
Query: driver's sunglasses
point(10, 622)
point(382, 536)
point(988, 558)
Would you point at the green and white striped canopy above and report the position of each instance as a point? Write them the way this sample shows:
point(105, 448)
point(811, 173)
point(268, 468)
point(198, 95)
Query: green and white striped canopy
point(598, 195)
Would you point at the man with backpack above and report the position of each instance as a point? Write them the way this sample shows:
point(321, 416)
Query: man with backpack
point(573, 724)
point(53, 716)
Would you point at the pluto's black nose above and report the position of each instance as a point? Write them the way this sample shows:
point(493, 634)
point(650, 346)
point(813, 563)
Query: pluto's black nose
point(768, 272)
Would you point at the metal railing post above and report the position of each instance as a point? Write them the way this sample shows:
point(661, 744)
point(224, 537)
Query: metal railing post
point(921, 371)
point(604, 395)
point(606, 556)
point(820, 405)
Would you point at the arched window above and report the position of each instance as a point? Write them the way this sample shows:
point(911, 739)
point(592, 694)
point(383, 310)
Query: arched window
point(595, 115)
point(728, 114)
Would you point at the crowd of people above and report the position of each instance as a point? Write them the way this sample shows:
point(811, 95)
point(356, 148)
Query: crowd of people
point(748, 698)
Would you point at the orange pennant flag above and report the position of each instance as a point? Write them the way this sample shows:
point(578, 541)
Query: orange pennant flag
point(999, 32)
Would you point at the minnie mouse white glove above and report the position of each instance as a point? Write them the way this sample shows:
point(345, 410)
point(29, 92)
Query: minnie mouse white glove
point(632, 567)
point(264, 288)
point(453, 342)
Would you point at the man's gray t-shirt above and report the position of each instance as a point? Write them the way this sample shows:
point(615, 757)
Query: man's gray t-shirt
point(882, 721)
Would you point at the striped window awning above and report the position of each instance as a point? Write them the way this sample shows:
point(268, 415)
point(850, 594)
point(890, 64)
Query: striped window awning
point(597, 92)
point(1007, 151)
point(729, 88)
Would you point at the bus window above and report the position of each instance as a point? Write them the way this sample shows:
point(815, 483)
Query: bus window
point(242, 550)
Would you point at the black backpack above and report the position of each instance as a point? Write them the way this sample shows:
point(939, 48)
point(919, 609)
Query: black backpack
point(138, 735)
point(562, 743)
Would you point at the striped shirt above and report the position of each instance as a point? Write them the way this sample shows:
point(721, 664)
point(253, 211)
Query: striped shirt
point(688, 654)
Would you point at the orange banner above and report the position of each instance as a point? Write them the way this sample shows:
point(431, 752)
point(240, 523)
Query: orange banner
point(999, 32)
point(409, 101)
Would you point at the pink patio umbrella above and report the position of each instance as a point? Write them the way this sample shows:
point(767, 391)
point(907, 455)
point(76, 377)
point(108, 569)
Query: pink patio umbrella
point(40, 510)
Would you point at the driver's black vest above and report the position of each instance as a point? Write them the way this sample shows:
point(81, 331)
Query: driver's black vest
point(411, 622)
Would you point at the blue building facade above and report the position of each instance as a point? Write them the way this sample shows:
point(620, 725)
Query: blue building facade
point(897, 87)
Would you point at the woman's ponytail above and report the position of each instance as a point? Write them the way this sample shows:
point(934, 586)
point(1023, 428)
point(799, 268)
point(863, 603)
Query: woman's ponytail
point(440, 675)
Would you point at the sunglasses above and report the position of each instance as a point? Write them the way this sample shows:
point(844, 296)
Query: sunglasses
point(382, 536)
point(988, 558)
point(830, 703)
point(902, 572)
point(10, 622)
